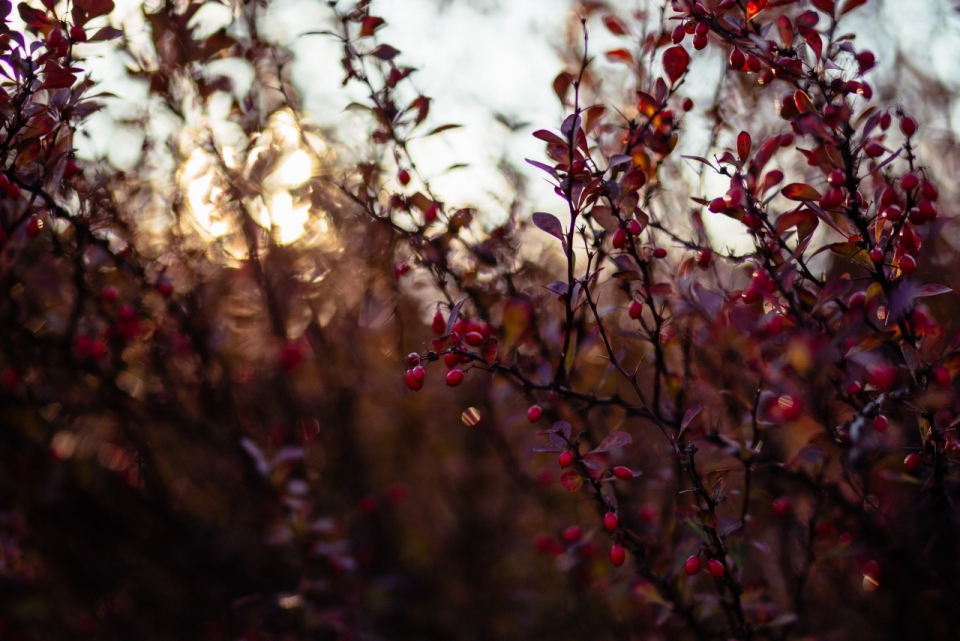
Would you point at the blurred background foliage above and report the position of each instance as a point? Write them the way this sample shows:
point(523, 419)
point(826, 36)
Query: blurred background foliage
point(205, 433)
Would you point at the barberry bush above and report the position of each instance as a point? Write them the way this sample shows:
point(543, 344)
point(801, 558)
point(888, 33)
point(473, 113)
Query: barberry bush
point(261, 384)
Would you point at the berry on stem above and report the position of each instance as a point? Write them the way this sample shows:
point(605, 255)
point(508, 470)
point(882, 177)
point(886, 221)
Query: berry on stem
point(692, 565)
point(781, 506)
point(454, 377)
point(534, 413)
point(617, 555)
point(622, 473)
point(635, 309)
point(716, 569)
point(912, 463)
point(565, 459)
point(610, 521)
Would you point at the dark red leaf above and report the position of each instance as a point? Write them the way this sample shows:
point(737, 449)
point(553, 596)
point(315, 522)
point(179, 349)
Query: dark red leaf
point(95, 8)
point(615, 25)
point(548, 223)
point(675, 63)
point(800, 191)
point(743, 145)
point(613, 441)
point(850, 5)
point(385, 52)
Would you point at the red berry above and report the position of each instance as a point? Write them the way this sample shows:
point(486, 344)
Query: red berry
point(882, 376)
point(929, 191)
point(737, 59)
point(412, 381)
point(857, 298)
point(854, 388)
point(880, 423)
point(692, 565)
point(885, 120)
point(13, 191)
point(679, 33)
point(716, 569)
point(108, 294)
point(291, 356)
point(753, 63)
point(927, 209)
point(369, 504)
point(659, 252)
point(766, 77)
point(619, 238)
point(781, 506)
point(635, 309)
point(439, 324)
point(648, 513)
point(572, 534)
point(165, 287)
point(70, 168)
point(617, 555)
point(908, 264)
point(876, 255)
point(687, 104)
point(413, 359)
point(909, 181)
point(752, 221)
point(473, 338)
point(942, 374)
point(610, 521)
point(534, 413)
point(34, 225)
point(912, 463)
point(874, 149)
point(565, 459)
point(454, 377)
point(866, 60)
point(700, 42)
point(701, 29)
point(634, 227)
point(404, 177)
point(10, 378)
point(622, 473)
point(836, 178)
point(54, 38)
point(790, 407)
point(908, 126)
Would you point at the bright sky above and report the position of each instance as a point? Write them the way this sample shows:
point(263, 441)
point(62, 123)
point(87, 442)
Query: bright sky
point(481, 57)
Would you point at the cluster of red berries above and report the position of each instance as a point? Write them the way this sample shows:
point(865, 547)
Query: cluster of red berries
point(632, 229)
point(693, 566)
point(760, 284)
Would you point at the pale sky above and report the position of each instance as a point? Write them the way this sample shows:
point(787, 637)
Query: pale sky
point(477, 57)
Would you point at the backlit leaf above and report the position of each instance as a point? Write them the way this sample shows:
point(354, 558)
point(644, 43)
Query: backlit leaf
point(675, 63)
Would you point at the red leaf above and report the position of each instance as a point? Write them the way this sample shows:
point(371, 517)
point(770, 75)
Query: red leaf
point(932, 290)
point(571, 481)
point(826, 6)
point(548, 223)
point(613, 441)
point(754, 7)
point(31, 16)
point(620, 55)
point(549, 136)
point(812, 38)
point(95, 8)
point(675, 63)
point(632, 181)
point(615, 25)
point(743, 145)
point(800, 191)
point(385, 52)
point(688, 417)
point(850, 5)
point(369, 25)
